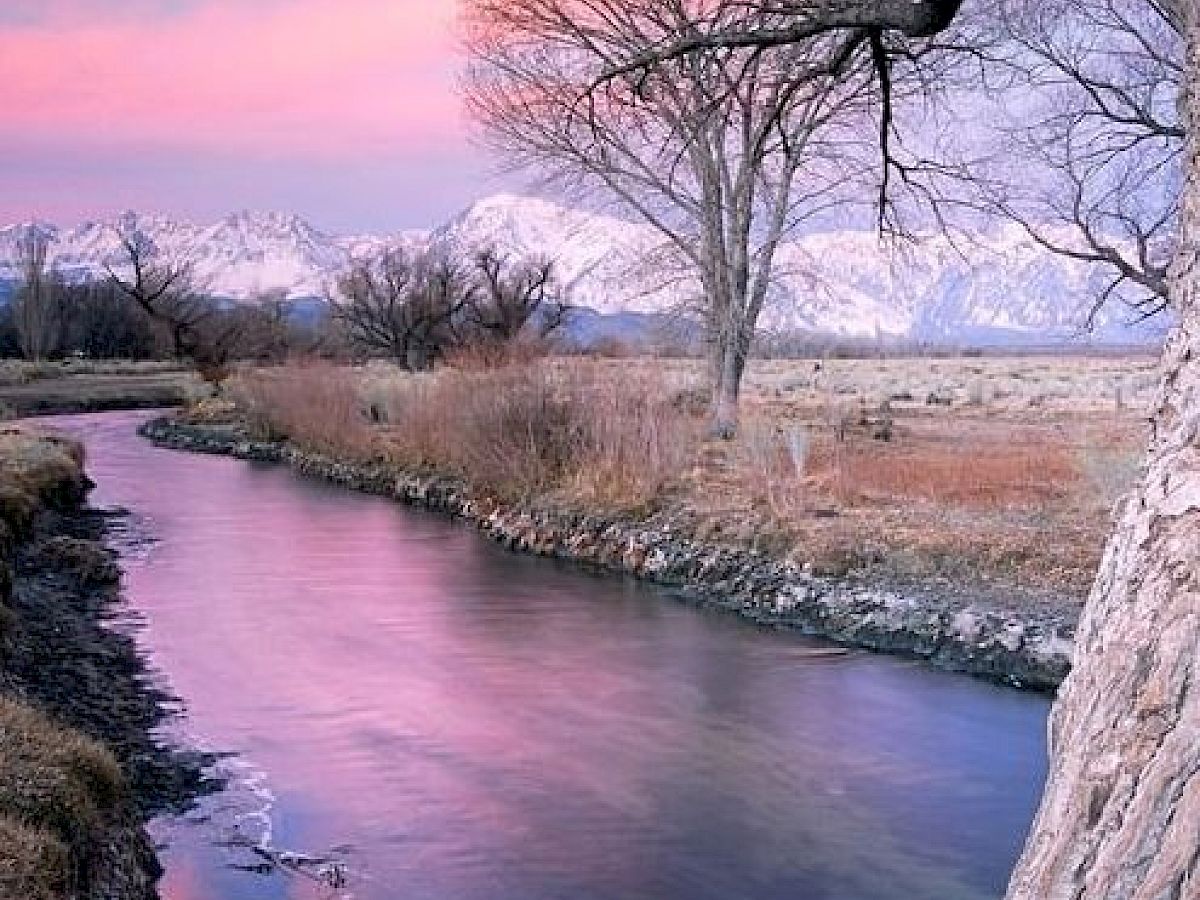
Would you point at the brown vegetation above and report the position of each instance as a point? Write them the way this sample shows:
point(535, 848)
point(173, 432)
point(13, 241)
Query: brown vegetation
point(510, 432)
point(989, 489)
point(316, 406)
point(57, 789)
point(968, 473)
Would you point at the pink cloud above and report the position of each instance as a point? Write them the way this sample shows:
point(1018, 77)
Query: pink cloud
point(307, 78)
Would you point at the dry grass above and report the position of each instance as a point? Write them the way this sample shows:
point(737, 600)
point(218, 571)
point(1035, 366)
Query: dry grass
point(317, 407)
point(33, 471)
point(959, 495)
point(968, 474)
point(34, 468)
point(17, 372)
point(773, 462)
point(537, 428)
point(487, 356)
point(37, 463)
point(34, 865)
point(513, 431)
point(57, 789)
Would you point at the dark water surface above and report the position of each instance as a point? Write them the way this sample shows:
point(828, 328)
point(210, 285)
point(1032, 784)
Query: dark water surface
point(456, 722)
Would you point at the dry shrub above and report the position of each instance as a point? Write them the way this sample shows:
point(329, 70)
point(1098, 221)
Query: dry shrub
point(773, 461)
point(512, 431)
point(637, 441)
point(509, 432)
point(35, 470)
point(522, 430)
point(38, 464)
point(54, 782)
point(968, 474)
point(315, 406)
point(34, 865)
point(485, 356)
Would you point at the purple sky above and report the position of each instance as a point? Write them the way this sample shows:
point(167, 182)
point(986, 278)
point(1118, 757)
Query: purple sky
point(345, 111)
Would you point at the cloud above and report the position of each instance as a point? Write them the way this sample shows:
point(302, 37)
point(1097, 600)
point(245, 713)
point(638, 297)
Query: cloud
point(276, 79)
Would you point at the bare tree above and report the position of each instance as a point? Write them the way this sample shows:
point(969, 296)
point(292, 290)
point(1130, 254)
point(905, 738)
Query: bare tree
point(1090, 164)
point(37, 309)
point(1119, 819)
point(709, 149)
point(201, 329)
point(511, 296)
point(403, 305)
point(102, 323)
point(160, 287)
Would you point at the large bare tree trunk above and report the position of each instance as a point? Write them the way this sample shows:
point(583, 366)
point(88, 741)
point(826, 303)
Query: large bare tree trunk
point(1120, 819)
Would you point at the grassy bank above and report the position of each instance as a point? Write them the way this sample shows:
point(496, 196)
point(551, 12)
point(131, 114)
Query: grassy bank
point(77, 386)
point(995, 475)
point(69, 825)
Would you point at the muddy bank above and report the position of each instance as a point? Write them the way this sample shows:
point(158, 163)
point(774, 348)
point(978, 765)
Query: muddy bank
point(80, 772)
point(1027, 645)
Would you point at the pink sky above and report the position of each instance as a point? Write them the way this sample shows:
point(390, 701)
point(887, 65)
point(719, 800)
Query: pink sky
point(343, 110)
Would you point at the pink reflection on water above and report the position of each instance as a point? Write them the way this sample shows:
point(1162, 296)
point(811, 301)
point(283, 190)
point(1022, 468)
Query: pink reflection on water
point(476, 724)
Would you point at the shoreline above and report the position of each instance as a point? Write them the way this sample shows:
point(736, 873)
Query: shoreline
point(1026, 649)
point(62, 660)
point(72, 394)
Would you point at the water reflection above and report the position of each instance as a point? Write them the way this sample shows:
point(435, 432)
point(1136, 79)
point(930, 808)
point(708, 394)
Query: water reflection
point(460, 722)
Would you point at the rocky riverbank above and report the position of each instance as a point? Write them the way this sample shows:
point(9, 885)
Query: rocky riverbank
point(79, 769)
point(1025, 645)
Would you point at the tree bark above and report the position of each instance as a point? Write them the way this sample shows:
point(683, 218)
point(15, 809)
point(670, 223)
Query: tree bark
point(1120, 819)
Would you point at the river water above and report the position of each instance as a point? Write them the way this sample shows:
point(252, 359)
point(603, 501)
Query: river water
point(412, 709)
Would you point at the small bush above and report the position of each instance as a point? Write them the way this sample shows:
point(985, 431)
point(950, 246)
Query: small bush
point(38, 465)
point(523, 430)
point(55, 782)
point(774, 465)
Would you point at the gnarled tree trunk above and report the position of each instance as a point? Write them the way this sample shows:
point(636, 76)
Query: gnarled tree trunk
point(1120, 819)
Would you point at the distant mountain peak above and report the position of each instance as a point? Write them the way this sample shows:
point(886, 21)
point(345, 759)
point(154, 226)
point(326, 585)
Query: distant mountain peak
point(997, 286)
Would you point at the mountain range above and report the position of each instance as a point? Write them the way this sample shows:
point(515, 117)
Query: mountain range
point(1000, 288)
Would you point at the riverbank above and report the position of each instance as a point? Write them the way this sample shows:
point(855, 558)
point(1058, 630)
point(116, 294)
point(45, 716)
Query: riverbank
point(80, 772)
point(44, 389)
point(997, 636)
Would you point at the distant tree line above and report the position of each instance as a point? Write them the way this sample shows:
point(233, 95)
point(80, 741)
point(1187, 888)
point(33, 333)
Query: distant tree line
point(412, 307)
point(147, 308)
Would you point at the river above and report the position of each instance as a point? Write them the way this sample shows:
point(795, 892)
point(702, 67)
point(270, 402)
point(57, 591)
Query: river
point(443, 719)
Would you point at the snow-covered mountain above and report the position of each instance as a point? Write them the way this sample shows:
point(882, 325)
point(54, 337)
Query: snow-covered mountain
point(999, 287)
point(242, 257)
point(1002, 287)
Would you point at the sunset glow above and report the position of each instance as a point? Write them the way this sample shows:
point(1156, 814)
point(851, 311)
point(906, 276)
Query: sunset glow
point(111, 105)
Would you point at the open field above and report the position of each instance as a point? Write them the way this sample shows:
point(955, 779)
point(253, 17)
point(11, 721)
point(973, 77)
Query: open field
point(28, 389)
point(994, 476)
point(998, 470)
